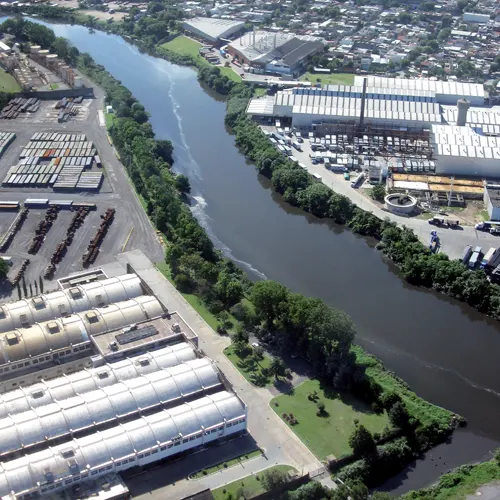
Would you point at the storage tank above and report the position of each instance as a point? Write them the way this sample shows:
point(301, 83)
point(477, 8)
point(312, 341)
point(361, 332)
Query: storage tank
point(51, 60)
point(78, 82)
point(34, 49)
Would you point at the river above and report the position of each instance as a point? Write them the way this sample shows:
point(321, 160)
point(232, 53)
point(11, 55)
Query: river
point(444, 350)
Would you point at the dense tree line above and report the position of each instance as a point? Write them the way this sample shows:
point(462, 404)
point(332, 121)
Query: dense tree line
point(418, 265)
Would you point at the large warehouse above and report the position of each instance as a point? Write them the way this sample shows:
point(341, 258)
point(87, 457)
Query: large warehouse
point(108, 381)
point(212, 29)
point(282, 53)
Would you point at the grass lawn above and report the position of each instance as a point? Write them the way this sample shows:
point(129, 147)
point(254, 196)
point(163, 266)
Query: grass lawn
point(259, 91)
point(109, 117)
point(225, 465)
point(183, 45)
point(329, 434)
point(54, 86)
point(251, 371)
point(329, 79)
point(251, 485)
point(230, 74)
point(8, 82)
point(458, 485)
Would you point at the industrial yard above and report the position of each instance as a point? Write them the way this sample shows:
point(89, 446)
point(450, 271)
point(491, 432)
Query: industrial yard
point(67, 194)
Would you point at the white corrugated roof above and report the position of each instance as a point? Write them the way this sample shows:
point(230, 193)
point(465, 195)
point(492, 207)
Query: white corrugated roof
point(99, 449)
point(61, 418)
point(70, 300)
point(75, 329)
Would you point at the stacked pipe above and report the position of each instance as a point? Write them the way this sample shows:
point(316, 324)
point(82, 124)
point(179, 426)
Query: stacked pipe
point(19, 105)
point(93, 248)
point(20, 273)
point(42, 229)
point(57, 256)
point(14, 228)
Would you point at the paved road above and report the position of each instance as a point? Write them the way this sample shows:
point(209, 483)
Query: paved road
point(282, 446)
point(452, 241)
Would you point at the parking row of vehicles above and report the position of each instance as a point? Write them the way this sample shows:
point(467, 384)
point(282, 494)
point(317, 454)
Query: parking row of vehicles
point(490, 261)
point(489, 227)
point(441, 221)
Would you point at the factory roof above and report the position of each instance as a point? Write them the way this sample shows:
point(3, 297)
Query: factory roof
point(437, 86)
point(265, 46)
point(327, 105)
point(70, 300)
point(67, 386)
point(213, 27)
point(90, 409)
point(64, 332)
point(128, 439)
point(263, 106)
point(452, 140)
point(476, 117)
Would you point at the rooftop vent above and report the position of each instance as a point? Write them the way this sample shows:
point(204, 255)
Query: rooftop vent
point(75, 292)
point(37, 394)
point(67, 453)
point(39, 303)
point(52, 327)
point(11, 339)
point(103, 375)
point(92, 317)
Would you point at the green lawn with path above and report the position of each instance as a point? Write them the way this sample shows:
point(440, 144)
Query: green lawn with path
point(326, 435)
point(251, 486)
point(329, 79)
point(251, 370)
point(8, 82)
point(225, 465)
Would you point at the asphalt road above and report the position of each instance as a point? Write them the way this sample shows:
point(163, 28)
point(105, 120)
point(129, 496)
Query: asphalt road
point(453, 241)
point(116, 192)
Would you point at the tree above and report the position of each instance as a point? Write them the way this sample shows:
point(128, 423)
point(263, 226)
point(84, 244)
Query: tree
point(277, 368)
point(378, 192)
point(361, 441)
point(310, 491)
point(4, 269)
point(497, 455)
point(182, 184)
point(273, 479)
point(399, 416)
point(269, 299)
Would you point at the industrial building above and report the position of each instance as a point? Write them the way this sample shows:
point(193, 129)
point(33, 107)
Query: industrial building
point(135, 443)
point(492, 201)
point(213, 30)
point(96, 378)
point(275, 53)
point(417, 126)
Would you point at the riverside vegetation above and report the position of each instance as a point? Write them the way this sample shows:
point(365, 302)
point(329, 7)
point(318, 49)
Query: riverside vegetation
point(298, 324)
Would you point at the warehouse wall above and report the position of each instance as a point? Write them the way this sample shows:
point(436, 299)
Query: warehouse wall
point(473, 167)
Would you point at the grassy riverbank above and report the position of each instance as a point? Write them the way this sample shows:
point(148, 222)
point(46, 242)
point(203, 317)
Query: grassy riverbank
point(462, 483)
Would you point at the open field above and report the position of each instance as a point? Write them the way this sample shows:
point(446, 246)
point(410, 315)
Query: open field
point(329, 434)
point(250, 369)
point(183, 45)
point(331, 79)
point(8, 82)
point(250, 485)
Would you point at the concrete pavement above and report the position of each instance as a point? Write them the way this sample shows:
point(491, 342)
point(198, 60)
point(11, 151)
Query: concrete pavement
point(452, 241)
point(281, 445)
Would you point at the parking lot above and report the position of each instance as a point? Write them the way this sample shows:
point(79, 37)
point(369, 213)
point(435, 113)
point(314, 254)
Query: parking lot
point(130, 229)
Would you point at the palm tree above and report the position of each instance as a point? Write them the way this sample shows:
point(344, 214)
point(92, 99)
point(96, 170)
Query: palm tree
point(277, 368)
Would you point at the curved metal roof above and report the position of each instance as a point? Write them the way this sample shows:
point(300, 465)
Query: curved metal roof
point(68, 301)
point(61, 418)
point(67, 386)
point(116, 443)
point(64, 332)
